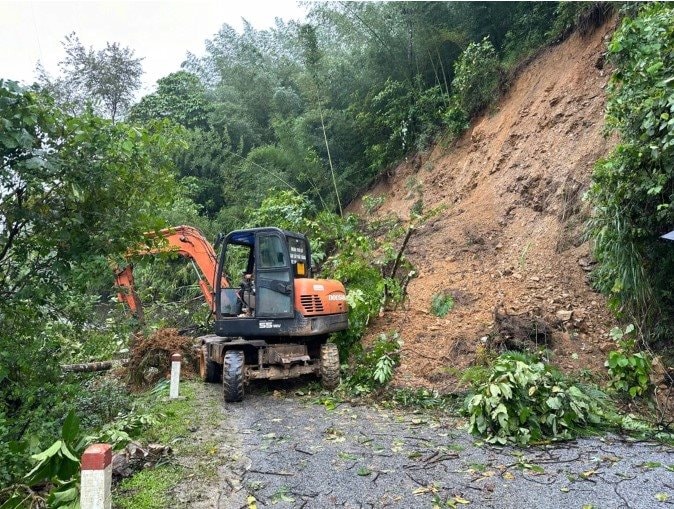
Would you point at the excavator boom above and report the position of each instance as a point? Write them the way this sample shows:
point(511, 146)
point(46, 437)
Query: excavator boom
point(185, 241)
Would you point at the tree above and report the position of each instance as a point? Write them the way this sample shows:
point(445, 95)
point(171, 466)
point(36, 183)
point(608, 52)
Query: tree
point(180, 96)
point(107, 79)
point(73, 191)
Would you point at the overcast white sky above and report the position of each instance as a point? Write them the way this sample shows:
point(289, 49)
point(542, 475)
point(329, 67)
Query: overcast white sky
point(160, 31)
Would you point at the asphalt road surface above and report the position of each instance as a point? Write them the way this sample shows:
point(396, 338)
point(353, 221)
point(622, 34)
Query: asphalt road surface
point(285, 451)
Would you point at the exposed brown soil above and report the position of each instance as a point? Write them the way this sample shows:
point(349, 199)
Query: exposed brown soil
point(509, 241)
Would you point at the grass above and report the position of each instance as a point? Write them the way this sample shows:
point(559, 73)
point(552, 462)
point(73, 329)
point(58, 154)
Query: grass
point(148, 489)
point(522, 261)
point(151, 488)
point(174, 417)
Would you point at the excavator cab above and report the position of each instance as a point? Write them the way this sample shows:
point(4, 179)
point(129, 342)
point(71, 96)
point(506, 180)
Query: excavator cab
point(268, 260)
point(277, 297)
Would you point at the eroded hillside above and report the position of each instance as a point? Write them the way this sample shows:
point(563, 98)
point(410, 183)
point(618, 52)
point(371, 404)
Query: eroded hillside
point(510, 236)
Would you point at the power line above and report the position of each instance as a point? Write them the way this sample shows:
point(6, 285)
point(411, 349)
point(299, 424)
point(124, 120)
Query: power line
point(270, 172)
point(37, 32)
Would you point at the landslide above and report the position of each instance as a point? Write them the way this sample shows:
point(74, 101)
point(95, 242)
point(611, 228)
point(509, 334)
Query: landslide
point(509, 243)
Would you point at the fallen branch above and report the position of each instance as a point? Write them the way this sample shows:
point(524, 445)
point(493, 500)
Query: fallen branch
point(409, 233)
point(303, 451)
point(286, 474)
point(93, 366)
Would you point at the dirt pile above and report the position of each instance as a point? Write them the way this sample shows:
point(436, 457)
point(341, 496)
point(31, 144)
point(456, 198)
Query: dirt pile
point(509, 240)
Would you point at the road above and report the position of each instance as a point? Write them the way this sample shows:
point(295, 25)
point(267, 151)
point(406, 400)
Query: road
point(286, 451)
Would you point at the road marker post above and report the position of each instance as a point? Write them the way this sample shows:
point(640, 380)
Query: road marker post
point(176, 358)
point(96, 481)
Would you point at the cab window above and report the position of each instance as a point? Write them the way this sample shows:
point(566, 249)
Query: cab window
point(272, 254)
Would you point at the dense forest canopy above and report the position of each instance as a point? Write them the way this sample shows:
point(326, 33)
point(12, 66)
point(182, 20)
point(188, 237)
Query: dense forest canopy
point(322, 107)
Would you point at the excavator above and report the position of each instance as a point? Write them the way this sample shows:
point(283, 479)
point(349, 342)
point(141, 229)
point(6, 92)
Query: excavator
point(274, 325)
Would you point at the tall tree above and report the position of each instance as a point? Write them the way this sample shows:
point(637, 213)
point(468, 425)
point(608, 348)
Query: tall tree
point(73, 190)
point(180, 96)
point(107, 79)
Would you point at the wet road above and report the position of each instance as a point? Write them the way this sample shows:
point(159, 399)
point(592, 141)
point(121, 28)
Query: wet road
point(282, 450)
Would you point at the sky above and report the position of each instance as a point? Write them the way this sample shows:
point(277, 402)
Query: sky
point(161, 32)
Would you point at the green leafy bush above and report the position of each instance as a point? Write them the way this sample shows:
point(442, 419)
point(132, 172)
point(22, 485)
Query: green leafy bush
point(56, 467)
point(13, 454)
point(400, 117)
point(525, 400)
point(101, 401)
point(629, 370)
point(442, 304)
point(632, 189)
point(123, 429)
point(456, 121)
point(477, 74)
point(529, 31)
point(373, 368)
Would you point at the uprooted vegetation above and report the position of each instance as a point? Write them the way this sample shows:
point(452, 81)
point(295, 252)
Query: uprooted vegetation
point(523, 333)
point(150, 357)
point(525, 400)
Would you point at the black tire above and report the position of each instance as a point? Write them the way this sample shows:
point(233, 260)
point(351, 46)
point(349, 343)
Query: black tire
point(209, 370)
point(329, 366)
point(232, 375)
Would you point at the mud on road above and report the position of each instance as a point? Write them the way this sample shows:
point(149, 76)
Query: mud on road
point(278, 449)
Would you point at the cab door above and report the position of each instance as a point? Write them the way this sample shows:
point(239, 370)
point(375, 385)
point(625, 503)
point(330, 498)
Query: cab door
point(273, 280)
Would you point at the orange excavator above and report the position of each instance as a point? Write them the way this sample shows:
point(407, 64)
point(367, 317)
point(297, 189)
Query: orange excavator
point(275, 324)
point(185, 241)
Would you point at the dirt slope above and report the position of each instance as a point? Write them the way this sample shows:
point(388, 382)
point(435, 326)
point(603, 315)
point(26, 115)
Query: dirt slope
point(510, 236)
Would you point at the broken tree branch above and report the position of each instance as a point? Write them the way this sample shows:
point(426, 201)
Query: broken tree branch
point(93, 366)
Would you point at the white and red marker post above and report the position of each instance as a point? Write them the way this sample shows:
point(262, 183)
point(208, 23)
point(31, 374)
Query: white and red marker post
point(176, 358)
point(95, 492)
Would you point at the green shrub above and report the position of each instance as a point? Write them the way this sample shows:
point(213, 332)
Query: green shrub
point(632, 189)
point(55, 468)
point(402, 116)
point(629, 370)
point(13, 454)
point(442, 304)
point(101, 401)
point(529, 30)
point(456, 121)
point(477, 74)
point(122, 430)
point(525, 400)
point(374, 367)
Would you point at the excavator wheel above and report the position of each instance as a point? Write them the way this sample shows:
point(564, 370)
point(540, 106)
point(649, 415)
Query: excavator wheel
point(208, 369)
point(232, 375)
point(329, 366)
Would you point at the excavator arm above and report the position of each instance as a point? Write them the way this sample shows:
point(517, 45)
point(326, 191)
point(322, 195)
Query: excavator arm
point(185, 241)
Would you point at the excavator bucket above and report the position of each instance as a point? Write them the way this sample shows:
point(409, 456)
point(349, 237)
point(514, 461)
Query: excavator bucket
point(126, 293)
